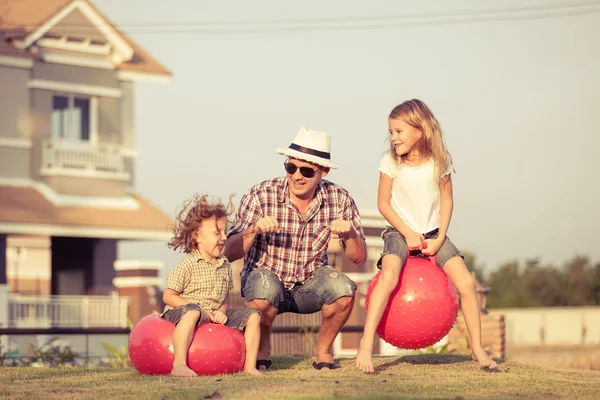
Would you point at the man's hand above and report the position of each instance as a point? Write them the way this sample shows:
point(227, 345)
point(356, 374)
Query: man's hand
point(341, 228)
point(266, 225)
point(218, 317)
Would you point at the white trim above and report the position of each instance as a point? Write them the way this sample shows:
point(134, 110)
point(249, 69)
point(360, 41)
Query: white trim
point(136, 281)
point(360, 277)
point(131, 265)
point(83, 47)
point(370, 213)
point(76, 88)
point(138, 76)
point(123, 203)
point(15, 143)
point(85, 173)
point(372, 219)
point(94, 120)
point(17, 62)
point(129, 152)
point(38, 33)
point(374, 241)
point(94, 18)
point(23, 272)
point(77, 60)
point(119, 43)
point(84, 231)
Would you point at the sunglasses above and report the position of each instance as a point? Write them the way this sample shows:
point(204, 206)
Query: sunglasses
point(305, 171)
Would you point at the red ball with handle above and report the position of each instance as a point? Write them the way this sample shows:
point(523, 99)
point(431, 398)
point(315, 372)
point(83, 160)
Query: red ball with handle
point(422, 308)
point(215, 348)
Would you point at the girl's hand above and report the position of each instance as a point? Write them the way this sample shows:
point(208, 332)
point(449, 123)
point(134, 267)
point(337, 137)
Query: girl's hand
point(433, 246)
point(218, 318)
point(414, 241)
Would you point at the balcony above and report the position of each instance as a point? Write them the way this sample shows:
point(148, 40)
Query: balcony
point(81, 158)
point(67, 311)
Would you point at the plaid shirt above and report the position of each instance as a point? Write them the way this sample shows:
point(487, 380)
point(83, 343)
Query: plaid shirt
point(200, 282)
point(301, 247)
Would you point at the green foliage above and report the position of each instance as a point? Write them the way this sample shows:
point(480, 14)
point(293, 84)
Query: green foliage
point(533, 284)
point(52, 353)
point(432, 350)
point(117, 358)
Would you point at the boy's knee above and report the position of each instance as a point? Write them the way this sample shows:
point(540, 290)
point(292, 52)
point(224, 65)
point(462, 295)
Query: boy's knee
point(191, 316)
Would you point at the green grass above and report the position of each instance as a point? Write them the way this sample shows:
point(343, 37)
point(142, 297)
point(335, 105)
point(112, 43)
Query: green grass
point(438, 376)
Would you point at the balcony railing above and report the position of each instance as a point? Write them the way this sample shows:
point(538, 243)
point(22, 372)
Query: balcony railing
point(75, 157)
point(67, 311)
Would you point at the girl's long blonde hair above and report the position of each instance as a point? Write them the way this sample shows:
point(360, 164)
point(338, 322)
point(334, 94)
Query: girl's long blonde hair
point(431, 145)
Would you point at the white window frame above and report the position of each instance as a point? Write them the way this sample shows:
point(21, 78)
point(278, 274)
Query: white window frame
point(93, 118)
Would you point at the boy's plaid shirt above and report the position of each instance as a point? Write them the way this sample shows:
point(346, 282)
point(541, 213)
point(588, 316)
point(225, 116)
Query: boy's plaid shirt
point(301, 246)
point(200, 282)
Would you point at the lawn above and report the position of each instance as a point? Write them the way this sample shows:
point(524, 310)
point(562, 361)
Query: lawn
point(439, 376)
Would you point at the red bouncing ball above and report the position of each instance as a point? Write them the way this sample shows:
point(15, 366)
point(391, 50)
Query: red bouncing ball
point(215, 348)
point(422, 308)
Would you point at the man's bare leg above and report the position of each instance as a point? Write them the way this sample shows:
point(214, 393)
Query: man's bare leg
point(334, 316)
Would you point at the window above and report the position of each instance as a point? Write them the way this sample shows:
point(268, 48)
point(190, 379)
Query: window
point(70, 117)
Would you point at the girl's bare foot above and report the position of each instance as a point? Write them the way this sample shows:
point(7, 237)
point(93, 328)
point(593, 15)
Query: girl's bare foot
point(364, 362)
point(252, 371)
point(182, 370)
point(485, 361)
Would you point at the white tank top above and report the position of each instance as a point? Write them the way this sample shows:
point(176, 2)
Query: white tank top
point(415, 193)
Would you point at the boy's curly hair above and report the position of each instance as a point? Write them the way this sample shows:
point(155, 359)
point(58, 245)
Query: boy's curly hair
point(190, 218)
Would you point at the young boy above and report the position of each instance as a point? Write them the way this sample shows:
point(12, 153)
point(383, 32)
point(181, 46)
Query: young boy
point(198, 288)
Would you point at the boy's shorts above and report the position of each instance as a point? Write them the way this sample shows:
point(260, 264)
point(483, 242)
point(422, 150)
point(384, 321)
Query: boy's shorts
point(395, 243)
point(236, 317)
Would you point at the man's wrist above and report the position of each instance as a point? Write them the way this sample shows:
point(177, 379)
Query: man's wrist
point(250, 231)
point(352, 234)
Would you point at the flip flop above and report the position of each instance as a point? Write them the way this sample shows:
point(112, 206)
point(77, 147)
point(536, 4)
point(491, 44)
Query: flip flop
point(321, 365)
point(266, 363)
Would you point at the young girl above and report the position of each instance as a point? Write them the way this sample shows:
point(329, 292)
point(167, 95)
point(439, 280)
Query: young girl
point(415, 197)
point(197, 289)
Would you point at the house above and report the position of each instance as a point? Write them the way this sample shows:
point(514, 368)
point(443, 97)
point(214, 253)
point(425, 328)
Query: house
point(67, 168)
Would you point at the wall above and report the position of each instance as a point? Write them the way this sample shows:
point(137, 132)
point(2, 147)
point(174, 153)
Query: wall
point(551, 326)
point(14, 103)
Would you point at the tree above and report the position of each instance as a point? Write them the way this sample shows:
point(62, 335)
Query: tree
point(579, 281)
point(544, 284)
point(471, 263)
point(507, 288)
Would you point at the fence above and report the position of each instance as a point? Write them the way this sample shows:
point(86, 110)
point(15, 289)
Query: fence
point(67, 311)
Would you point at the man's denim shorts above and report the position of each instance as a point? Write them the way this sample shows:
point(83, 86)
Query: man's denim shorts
point(324, 287)
point(395, 243)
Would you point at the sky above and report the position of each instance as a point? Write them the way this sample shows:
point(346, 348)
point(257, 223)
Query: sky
point(517, 94)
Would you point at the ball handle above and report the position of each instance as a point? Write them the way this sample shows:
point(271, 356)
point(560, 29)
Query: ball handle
point(418, 253)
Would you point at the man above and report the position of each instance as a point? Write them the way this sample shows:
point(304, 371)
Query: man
point(282, 229)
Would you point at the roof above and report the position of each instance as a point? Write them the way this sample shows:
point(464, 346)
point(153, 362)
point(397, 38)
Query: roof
point(19, 18)
point(24, 210)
